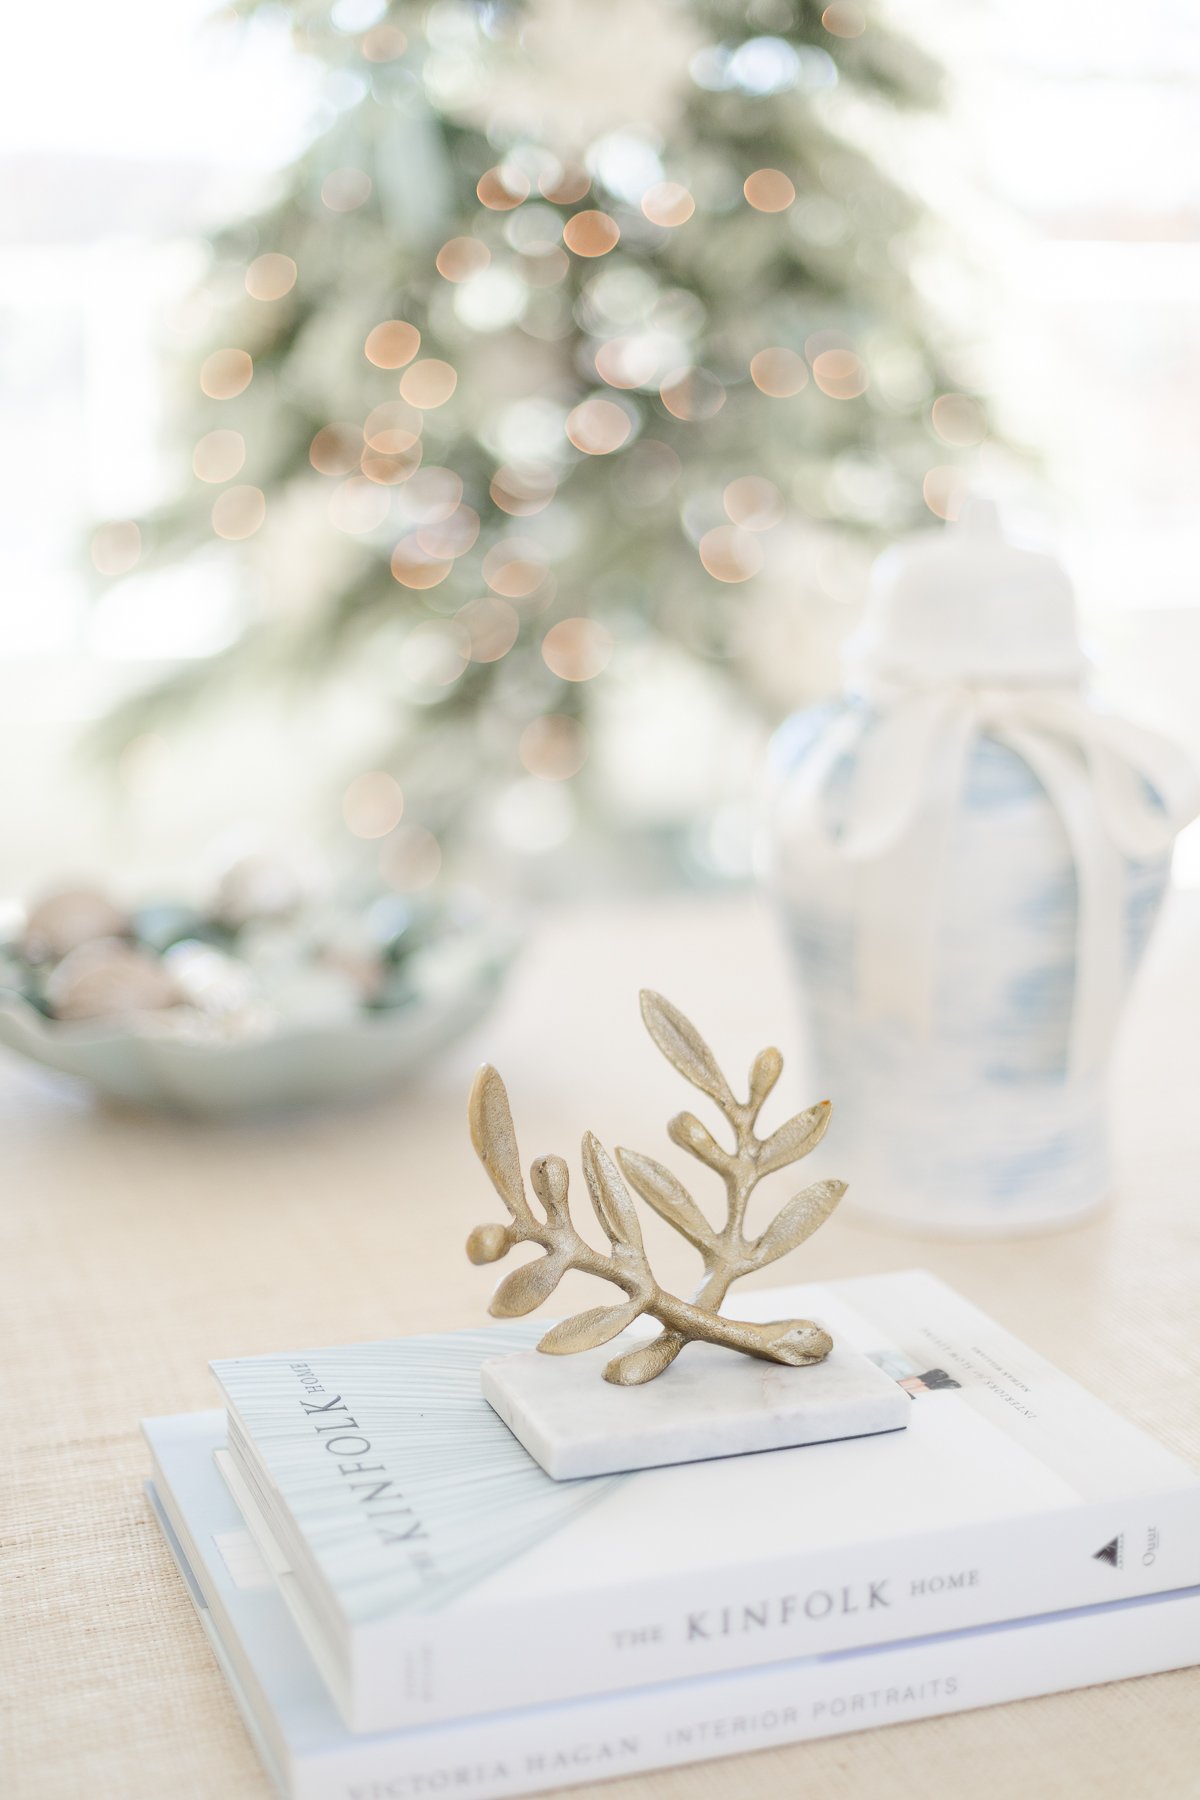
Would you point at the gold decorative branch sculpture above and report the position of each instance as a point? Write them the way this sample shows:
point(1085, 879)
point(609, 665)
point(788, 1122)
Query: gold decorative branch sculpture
point(728, 1254)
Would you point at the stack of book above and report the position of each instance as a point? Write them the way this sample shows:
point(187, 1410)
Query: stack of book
point(404, 1604)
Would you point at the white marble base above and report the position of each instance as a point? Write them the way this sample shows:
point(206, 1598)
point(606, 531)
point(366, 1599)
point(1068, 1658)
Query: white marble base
point(710, 1402)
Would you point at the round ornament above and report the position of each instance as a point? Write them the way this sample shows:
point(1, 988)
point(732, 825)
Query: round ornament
point(108, 979)
point(62, 921)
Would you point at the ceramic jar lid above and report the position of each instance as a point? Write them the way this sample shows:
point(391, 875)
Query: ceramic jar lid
point(963, 604)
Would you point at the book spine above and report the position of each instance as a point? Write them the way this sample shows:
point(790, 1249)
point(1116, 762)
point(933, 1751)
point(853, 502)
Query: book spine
point(616, 1636)
point(696, 1721)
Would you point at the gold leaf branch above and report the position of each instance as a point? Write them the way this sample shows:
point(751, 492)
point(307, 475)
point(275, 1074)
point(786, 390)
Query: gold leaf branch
point(727, 1253)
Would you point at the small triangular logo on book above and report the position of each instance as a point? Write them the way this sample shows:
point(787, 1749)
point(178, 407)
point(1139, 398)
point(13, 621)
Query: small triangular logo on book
point(1111, 1552)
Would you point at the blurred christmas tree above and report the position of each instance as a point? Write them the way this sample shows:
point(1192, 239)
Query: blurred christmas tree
point(580, 326)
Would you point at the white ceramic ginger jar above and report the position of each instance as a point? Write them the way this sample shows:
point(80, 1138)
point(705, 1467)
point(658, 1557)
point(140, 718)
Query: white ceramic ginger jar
point(968, 854)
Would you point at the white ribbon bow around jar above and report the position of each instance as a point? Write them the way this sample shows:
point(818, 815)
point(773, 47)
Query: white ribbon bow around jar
point(1120, 792)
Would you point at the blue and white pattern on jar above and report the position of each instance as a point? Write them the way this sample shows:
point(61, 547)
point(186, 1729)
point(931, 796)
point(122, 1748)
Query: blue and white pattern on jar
point(962, 969)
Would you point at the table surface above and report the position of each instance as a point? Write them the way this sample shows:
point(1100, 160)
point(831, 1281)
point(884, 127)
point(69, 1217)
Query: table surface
point(135, 1248)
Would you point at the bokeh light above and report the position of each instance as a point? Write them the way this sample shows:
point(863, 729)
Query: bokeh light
point(383, 43)
point(958, 420)
point(451, 537)
point(219, 455)
point(428, 384)
point(492, 627)
point(597, 426)
point(432, 495)
point(692, 394)
point(345, 190)
point(754, 503)
point(373, 804)
point(416, 568)
point(844, 19)
point(461, 257)
point(390, 468)
point(577, 649)
point(730, 554)
point(840, 374)
point(238, 512)
point(225, 374)
point(591, 233)
point(502, 188)
point(769, 190)
point(522, 488)
point(778, 372)
point(515, 568)
point(628, 362)
point(336, 449)
point(116, 547)
point(271, 276)
point(393, 427)
point(944, 490)
point(392, 344)
point(668, 203)
point(553, 747)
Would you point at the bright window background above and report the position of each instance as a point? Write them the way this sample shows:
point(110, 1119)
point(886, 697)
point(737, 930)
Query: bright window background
point(1067, 167)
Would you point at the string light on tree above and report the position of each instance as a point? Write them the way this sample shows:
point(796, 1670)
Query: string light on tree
point(591, 233)
point(501, 189)
point(271, 276)
point(730, 554)
point(778, 372)
point(492, 628)
point(577, 649)
point(226, 374)
point(553, 747)
point(373, 804)
point(598, 426)
point(515, 568)
point(392, 344)
point(840, 374)
point(769, 190)
point(336, 449)
point(116, 547)
point(239, 512)
point(428, 383)
point(461, 257)
point(669, 204)
point(219, 455)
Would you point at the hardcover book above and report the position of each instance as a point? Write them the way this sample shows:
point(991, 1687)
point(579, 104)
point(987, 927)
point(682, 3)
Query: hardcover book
point(312, 1756)
point(436, 1572)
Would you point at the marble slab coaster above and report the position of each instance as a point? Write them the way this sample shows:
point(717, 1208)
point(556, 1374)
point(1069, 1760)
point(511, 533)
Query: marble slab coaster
point(710, 1402)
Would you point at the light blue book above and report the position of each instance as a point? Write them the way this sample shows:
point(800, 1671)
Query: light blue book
point(312, 1756)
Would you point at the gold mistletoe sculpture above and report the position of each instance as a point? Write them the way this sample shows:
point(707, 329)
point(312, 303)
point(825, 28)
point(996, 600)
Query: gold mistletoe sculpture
point(728, 1254)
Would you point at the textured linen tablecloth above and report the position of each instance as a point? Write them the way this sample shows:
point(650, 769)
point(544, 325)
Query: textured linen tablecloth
point(135, 1248)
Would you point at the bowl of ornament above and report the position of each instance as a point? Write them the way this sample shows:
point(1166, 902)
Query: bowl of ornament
point(261, 997)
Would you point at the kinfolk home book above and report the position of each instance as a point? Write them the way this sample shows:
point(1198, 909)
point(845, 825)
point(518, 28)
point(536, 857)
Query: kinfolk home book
point(414, 1539)
point(312, 1756)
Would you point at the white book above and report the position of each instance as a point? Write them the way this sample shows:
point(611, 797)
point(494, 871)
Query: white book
point(312, 1756)
point(436, 1572)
